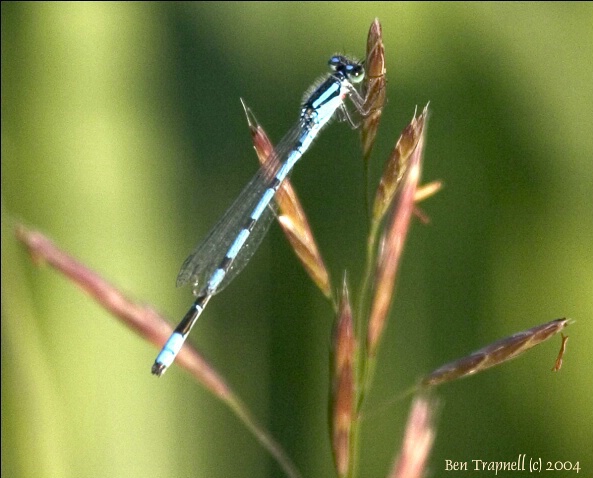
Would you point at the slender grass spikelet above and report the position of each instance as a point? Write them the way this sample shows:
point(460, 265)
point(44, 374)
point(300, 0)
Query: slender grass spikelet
point(342, 395)
point(558, 364)
point(394, 239)
point(143, 320)
point(395, 168)
point(373, 88)
point(418, 439)
point(495, 353)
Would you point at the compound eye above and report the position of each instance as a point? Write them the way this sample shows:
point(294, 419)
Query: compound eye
point(336, 62)
point(355, 73)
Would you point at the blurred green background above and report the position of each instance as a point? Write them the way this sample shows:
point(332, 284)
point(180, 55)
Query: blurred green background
point(123, 139)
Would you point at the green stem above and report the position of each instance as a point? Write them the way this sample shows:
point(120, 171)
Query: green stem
point(263, 437)
point(361, 360)
point(368, 272)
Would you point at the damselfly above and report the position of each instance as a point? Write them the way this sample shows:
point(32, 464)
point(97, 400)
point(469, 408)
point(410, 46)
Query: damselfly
point(232, 241)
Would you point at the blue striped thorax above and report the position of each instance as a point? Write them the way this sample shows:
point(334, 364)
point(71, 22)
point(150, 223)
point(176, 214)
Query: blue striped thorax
point(326, 98)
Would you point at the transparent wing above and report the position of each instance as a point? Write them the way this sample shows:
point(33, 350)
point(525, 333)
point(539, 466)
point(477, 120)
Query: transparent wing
point(253, 242)
point(209, 253)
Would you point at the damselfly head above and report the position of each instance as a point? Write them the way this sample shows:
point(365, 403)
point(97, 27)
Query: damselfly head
point(352, 69)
